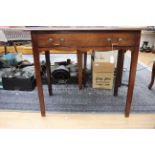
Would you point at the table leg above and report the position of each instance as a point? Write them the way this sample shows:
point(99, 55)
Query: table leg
point(121, 66)
point(133, 67)
point(48, 69)
point(5, 49)
point(152, 76)
point(85, 69)
point(119, 70)
point(80, 70)
point(36, 57)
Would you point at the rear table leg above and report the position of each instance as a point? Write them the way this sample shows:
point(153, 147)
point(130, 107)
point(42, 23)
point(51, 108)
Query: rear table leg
point(80, 71)
point(119, 70)
point(85, 69)
point(48, 69)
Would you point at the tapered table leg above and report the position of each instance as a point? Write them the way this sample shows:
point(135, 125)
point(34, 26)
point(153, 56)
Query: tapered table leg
point(119, 70)
point(152, 76)
point(80, 70)
point(132, 75)
point(48, 69)
point(36, 57)
point(133, 67)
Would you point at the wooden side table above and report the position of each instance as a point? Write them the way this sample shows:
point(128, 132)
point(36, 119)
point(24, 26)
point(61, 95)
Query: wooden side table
point(83, 39)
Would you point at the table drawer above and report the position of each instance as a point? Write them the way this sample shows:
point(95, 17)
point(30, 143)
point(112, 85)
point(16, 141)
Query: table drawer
point(85, 39)
point(124, 39)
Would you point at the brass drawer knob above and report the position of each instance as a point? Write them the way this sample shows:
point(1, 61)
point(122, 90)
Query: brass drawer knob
point(109, 39)
point(50, 40)
point(120, 39)
point(62, 39)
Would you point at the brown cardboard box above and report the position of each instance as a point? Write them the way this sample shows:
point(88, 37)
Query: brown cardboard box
point(108, 56)
point(103, 75)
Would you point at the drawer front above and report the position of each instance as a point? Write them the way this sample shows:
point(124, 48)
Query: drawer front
point(124, 39)
point(85, 39)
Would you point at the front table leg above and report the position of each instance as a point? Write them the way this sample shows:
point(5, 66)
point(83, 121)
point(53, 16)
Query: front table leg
point(133, 67)
point(39, 82)
point(36, 57)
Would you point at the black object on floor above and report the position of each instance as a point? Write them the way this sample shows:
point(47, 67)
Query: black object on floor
point(19, 83)
point(145, 47)
point(15, 79)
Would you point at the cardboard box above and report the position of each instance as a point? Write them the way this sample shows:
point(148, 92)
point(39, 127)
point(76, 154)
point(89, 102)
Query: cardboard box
point(103, 75)
point(107, 56)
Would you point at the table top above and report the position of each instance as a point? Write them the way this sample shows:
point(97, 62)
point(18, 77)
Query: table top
point(76, 28)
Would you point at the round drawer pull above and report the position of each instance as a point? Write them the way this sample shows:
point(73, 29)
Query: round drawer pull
point(120, 39)
point(109, 39)
point(62, 39)
point(50, 40)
